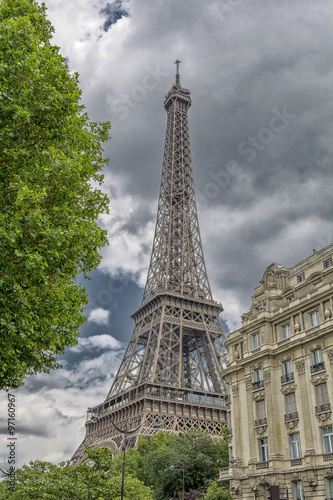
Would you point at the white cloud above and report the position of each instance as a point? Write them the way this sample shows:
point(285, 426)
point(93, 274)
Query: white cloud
point(106, 342)
point(99, 316)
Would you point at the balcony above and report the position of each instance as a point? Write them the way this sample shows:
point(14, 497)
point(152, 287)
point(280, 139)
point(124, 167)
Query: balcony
point(262, 465)
point(288, 377)
point(295, 461)
point(291, 416)
point(261, 421)
point(257, 385)
point(318, 367)
point(323, 408)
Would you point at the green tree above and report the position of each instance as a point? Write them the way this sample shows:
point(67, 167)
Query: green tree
point(151, 460)
point(50, 162)
point(94, 479)
point(216, 491)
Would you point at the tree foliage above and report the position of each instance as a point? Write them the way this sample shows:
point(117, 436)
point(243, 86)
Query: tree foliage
point(50, 159)
point(151, 460)
point(94, 479)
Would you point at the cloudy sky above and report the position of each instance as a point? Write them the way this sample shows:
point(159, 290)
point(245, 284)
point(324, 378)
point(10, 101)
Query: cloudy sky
point(260, 76)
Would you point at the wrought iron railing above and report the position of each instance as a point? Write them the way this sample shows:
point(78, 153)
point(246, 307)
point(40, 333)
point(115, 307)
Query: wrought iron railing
point(288, 377)
point(317, 367)
point(291, 416)
point(257, 385)
point(260, 421)
point(323, 408)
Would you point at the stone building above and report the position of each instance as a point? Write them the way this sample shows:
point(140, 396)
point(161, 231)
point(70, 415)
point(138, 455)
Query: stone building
point(280, 386)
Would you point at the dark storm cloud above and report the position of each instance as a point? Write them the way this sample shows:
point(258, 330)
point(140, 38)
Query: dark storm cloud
point(113, 12)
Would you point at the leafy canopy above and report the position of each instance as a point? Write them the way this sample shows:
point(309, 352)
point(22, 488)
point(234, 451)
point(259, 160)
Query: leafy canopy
point(152, 458)
point(50, 161)
point(94, 479)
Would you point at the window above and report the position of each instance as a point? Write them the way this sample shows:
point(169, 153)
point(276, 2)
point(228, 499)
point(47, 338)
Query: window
point(255, 340)
point(287, 373)
point(316, 356)
point(257, 379)
point(295, 449)
point(290, 403)
point(328, 439)
point(314, 318)
point(261, 410)
point(300, 277)
point(329, 487)
point(322, 394)
point(263, 449)
point(317, 363)
point(257, 375)
point(285, 331)
point(298, 490)
point(328, 263)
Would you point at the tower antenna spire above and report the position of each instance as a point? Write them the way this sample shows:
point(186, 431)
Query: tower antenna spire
point(177, 62)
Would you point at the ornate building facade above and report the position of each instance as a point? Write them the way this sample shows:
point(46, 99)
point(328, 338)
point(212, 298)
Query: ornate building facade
point(280, 387)
point(170, 375)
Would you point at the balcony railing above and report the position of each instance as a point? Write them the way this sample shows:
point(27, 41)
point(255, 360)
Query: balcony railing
point(291, 416)
point(288, 377)
point(257, 385)
point(262, 465)
point(261, 421)
point(323, 408)
point(295, 461)
point(317, 367)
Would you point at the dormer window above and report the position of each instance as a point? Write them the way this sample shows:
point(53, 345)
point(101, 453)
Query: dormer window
point(328, 263)
point(300, 278)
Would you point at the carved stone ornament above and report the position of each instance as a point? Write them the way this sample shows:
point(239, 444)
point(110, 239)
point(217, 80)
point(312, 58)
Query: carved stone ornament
point(324, 417)
point(235, 389)
point(236, 488)
point(261, 430)
point(295, 477)
point(248, 383)
point(229, 439)
point(297, 327)
point(258, 396)
point(292, 424)
point(300, 366)
point(267, 375)
point(319, 379)
point(288, 389)
point(328, 313)
point(330, 355)
point(328, 472)
point(263, 480)
point(254, 486)
point(312, 479)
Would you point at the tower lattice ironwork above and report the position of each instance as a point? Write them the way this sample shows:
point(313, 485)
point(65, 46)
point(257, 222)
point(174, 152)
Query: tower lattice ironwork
point(169, 377)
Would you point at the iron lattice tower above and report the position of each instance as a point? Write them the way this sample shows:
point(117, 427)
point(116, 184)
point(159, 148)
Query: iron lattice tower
point(169, 378)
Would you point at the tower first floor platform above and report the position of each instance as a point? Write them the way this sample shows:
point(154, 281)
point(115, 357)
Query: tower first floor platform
point(152, 408)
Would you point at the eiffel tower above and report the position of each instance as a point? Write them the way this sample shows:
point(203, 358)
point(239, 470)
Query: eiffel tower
point(169, 378)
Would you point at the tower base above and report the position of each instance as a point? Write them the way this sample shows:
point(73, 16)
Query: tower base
point(152, 407)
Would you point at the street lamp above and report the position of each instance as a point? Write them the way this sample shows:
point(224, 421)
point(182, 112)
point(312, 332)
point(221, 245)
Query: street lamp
point(94, 419)
point(124, 431)
point(172, 467)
